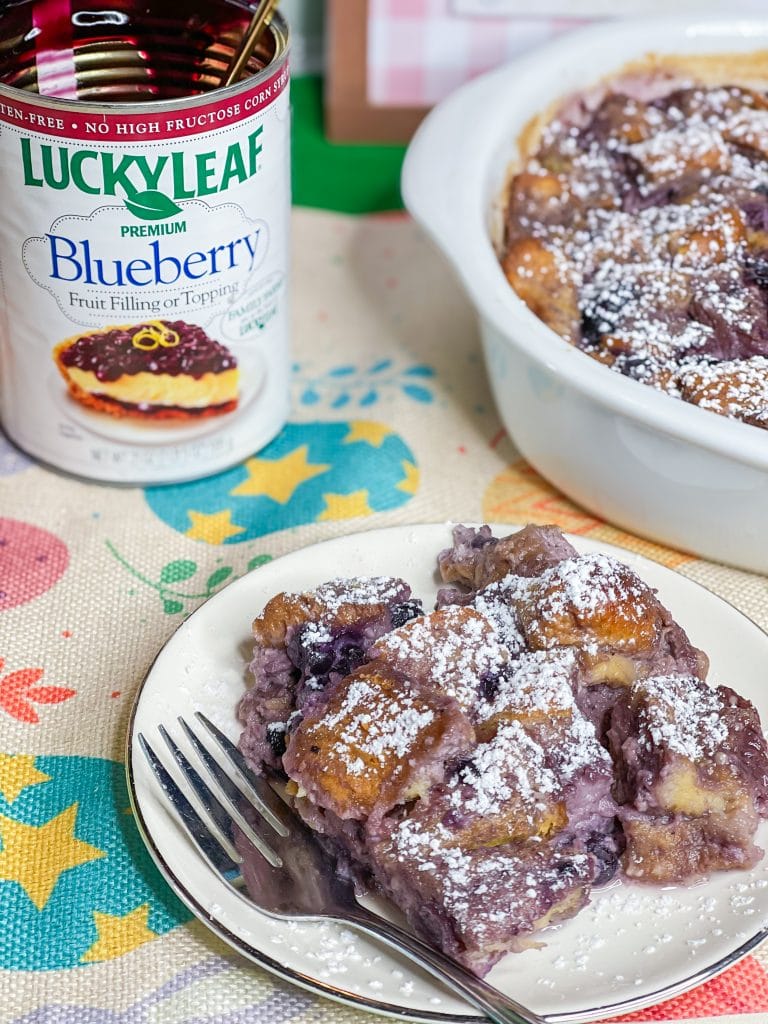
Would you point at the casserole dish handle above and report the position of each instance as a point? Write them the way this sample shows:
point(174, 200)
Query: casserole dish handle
point(444, 148)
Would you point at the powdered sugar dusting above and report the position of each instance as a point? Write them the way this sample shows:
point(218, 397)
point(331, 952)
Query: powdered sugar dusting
point(591, 582)
point(578, 748)
point(361, 590)
point(453, 649)
point(317, 632)
point(511, 765)
point(364, 727)
point(735, 388)
point(494, 602)
point(683, 716)
point(538, 681)
point(645, 227)
point(583, 590)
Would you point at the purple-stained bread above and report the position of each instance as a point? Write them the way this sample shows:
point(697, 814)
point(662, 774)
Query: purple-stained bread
point(691, 778)
point(305, 641)
point(376, 742)
point(488, 763)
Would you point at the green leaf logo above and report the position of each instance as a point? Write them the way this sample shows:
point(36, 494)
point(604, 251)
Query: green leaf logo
point(151, 205)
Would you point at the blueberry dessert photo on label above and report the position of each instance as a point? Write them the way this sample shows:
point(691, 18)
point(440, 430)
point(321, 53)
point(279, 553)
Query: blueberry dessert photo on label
point(157, 370)
point(545, 729)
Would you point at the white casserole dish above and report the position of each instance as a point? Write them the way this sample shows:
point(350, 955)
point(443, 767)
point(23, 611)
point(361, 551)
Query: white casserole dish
point(632, 455)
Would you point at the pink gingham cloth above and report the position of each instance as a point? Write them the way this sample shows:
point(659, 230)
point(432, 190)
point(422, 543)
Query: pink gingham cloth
point(421, 50)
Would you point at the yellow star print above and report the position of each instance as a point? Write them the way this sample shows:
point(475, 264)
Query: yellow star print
point(278, 478)
point(119, 934)
point(367, 430)
point(410, 482)
point(345, 506)
point(214, 527)
point(17, 771)
point(36, 856)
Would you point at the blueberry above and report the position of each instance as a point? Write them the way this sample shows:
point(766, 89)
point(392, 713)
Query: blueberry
point(605, 850)
point(402, 613)
point(310, 652)
point(276, 738)
point(348, 656)
point(489, 686)
point(756, 270)
point(566, 869)
point(756, 213)
point(592, 328)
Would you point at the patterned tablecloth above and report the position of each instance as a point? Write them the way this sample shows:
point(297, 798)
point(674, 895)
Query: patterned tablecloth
point(390, 394)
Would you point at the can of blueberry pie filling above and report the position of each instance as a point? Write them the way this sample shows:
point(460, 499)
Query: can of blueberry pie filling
point(144, 229)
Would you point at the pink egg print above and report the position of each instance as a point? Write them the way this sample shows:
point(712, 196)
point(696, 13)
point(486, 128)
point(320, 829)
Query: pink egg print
point(31, 561)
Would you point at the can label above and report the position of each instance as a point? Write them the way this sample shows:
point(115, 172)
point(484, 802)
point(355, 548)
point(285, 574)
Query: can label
point(143, 266)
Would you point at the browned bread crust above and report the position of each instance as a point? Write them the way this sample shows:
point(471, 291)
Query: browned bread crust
point(375, 743)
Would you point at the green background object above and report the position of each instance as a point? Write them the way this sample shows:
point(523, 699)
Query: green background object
point(347, 178)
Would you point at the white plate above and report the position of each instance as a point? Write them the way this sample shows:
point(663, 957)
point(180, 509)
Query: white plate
point(132, 430)
point(633, 946)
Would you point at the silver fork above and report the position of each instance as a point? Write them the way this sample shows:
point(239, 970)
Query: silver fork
point(291, 875)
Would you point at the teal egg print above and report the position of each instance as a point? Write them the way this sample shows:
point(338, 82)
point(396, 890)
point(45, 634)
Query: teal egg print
point(311, 472)
point(75, 877)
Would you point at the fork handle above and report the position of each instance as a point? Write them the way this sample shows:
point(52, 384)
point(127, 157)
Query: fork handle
point(492, 1003)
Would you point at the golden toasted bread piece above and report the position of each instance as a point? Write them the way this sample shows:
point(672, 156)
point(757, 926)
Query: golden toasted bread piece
point(378, 740)
point(668, 157)
point(282, 612)
point(748, 129)
point(680, 746)
point(543, 284)
point(542, 186)
point(338, 604)
point(690, 777)
point(590, 600)
point(682, 849)
point(455, 649)
point(737, 388)
point(537, 688)
point(710, 240)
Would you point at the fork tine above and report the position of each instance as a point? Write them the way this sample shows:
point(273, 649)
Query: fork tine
point(220, 815)
point(217, 855)
point(254, 786)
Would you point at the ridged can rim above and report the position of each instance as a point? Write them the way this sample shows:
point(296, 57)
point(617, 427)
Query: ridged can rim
point(280, 33)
